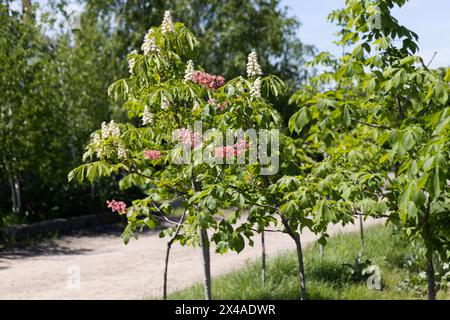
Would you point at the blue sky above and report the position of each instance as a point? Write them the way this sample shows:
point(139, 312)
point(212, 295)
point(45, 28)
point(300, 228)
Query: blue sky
point(430, 19)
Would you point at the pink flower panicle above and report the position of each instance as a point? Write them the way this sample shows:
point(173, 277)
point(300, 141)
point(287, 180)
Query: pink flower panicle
point(188, 137)
point(241, 146)
point(208, 80)
point(231, 151)
point(152, 154)
point(117, 206)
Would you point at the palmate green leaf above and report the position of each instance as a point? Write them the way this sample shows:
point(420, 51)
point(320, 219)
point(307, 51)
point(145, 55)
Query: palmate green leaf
point(90, 171)
point(273, 85)
point(119, 90)
point(131, 180)
point(289, 208)
point(300, 119)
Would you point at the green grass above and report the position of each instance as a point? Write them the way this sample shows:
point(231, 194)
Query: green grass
point(324, 274)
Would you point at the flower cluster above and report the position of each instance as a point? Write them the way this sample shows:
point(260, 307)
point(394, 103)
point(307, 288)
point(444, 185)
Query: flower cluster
point(189, 71)
point(187, 137)
point(96, 140)
point(132, 61)
point(220, 106)
point(149, 44)
point(147, 116)
point(167, 24)
point(208, 80)
point(152, 154)
point(231, 151)
point(117, 206)
point(121, 151)
point(110, 129)
point(255, 90)
point(253, 67)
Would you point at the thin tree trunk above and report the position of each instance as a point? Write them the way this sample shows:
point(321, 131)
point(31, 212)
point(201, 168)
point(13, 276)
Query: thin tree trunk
point(263, 259)
point(204, 244)
point(361, 230)
point(18, 194)
point(321, 250)
point(301, 268)
point(302, 277)
point(169, 246)
point(13, 194)
point(430, 277)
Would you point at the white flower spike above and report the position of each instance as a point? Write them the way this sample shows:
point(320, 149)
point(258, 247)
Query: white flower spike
point(253, 67)
point(132, 61)
point(255, 91)
point(189, 71)
point(167, 24)
point(147, 117)
point(149, 44)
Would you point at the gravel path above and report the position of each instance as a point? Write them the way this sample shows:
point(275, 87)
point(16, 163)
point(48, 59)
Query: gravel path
point(109, 269)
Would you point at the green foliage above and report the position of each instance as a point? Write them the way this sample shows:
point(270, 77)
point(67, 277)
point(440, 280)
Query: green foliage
point(383, 113)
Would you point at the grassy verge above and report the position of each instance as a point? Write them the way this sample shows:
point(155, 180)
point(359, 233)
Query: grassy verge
point(327, 276)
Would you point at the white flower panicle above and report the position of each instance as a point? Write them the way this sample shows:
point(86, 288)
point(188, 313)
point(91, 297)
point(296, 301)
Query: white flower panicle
point(149, 44)
point(105, 130)
point(255, 90)
point(189, 71)
point(114, 129)
point(121, 151)
point(147, 117)
point(110, 129)
point(253, 67)
point(96, 140)
point(132, 61)
point(167, 24)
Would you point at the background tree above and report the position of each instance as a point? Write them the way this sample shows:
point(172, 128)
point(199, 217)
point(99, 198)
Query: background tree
point(383, 98)
point(64, 74)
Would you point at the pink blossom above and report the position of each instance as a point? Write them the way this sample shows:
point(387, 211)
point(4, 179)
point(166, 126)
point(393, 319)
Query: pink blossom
point(208, 80)
point(117, 206)
point(231, 151)
point(241, 146)
point(222, 152)
point(188, 137)
point(152, 154)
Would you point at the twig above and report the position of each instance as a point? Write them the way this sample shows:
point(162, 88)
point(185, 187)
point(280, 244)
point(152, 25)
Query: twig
point(432, 58)
point(266, 230)
point(379, 126)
